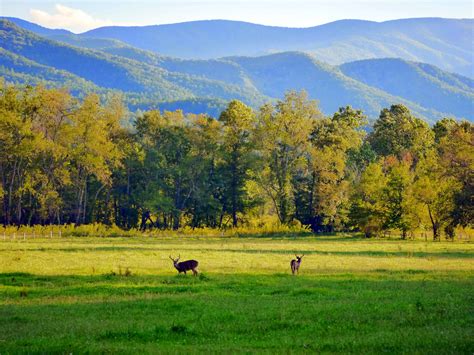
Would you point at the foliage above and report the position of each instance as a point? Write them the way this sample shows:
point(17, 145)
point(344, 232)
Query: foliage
point(69, 161)
point(397, 132)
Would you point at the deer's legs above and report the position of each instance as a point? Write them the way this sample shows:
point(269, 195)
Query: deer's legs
point(195, 272)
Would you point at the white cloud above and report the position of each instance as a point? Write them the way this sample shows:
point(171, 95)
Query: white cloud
point(68, 18)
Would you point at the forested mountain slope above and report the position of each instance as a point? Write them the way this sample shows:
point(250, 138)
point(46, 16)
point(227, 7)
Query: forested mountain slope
point(151, 80)
point(446, 43)
point(422, 83)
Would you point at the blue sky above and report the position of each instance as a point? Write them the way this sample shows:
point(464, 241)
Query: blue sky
point(80, 16)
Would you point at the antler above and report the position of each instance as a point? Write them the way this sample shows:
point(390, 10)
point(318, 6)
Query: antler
point(171, 258)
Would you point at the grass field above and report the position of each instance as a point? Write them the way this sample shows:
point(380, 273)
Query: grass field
point(122, 295)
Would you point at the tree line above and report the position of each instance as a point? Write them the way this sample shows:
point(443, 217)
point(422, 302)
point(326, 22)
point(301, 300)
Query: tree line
point(65, 160)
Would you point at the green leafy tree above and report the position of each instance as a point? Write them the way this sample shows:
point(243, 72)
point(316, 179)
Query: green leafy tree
point(94, 154)
point(398, 196)
point(368, 209)
point(457, 159)
point(435, 190)
point(283, 133)
point(397, 132)
point(238, 121)
point(207, 201)
point(322, 186)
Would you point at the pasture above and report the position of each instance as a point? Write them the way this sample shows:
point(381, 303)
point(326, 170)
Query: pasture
point(84, 294)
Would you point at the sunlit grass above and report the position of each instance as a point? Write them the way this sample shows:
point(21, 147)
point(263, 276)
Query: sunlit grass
point(352, 295)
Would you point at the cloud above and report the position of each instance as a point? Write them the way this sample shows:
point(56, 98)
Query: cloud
point(65, 17)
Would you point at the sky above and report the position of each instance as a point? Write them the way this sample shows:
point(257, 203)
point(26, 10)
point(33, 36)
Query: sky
point(80, 16)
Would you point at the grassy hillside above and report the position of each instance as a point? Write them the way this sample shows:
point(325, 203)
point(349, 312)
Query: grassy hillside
point(352, 295)
point(422, 83)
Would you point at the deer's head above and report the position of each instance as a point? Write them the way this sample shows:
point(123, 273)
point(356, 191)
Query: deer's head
point(298, 258)
point(175, 261)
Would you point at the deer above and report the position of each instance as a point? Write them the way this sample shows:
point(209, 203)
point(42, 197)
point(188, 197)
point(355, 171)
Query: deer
point(295, 264)
point(185, 265)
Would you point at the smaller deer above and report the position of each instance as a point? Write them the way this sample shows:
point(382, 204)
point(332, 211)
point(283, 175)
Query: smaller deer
point(185, 265)
point(295, 264)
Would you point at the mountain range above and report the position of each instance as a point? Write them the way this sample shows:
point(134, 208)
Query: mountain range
point(446, 43)
point(139, 62)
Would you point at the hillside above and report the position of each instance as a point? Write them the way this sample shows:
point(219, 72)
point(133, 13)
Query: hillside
point(33, 27)
point(115, 72)
point(445, 43)
point(422, 83)
point(274, 74)
point(149, 80)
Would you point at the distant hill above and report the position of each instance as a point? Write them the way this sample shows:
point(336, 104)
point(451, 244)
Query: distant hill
point(424, 84)
point(148, 80)
point(274, 74)
point(33, 27)
point(115, 72)
point(446, 43)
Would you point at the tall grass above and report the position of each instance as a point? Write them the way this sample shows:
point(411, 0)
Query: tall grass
point(260, 229)
point(101, 230)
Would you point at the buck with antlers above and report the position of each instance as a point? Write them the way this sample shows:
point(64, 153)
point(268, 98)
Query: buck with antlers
point(185, 265)
point(295, 264)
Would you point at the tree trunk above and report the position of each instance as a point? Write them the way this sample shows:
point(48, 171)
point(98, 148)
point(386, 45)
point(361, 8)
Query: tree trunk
point(79, 205)
point(85, 203)
point(434, 224)
point(234, 189)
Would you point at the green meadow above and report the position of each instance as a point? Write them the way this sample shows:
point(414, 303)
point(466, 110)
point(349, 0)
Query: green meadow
point(122, 295)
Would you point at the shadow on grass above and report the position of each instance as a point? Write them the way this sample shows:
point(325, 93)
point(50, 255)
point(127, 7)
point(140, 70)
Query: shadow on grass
point(290, 251)
point(114, 284)
point(179, 309)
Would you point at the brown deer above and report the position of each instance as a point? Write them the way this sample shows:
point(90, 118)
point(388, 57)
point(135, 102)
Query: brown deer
point(185, 265)
point(295, 264)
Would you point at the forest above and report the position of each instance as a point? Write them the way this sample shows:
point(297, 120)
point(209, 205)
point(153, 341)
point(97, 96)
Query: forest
point(80, 161)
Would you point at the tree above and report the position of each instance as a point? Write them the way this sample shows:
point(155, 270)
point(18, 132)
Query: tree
point(368, 209)
point(397, 132)
point(322, 187)
point(94, 154)
point(237, 120)
point(208, 198)
point(442, 128)
point(19, 146)
point(457, 159)
point(435, 190)
point(283, 133)
point(167, 183)
point(398, 196)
